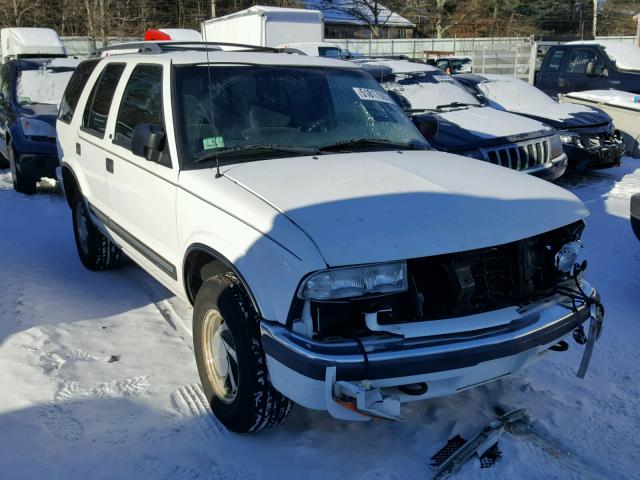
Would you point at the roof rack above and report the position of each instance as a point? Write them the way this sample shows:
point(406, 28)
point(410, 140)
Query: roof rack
point(151, 47)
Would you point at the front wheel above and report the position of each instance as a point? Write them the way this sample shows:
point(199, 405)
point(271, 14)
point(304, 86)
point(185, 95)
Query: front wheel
point(95, 250)
point(230, 359)
point(21, 183)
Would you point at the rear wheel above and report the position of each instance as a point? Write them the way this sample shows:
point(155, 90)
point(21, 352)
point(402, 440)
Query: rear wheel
point(20, 182)
point(95, 250)
point(230, 359)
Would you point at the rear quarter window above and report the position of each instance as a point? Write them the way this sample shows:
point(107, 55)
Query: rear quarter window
point(96, 113)
point(74, 90)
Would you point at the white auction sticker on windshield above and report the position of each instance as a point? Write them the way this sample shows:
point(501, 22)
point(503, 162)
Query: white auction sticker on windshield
point(443, 78)
point(375, 95)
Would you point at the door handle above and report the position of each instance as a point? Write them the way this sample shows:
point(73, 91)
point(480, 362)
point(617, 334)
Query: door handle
point(109, 164)
point(78, 148)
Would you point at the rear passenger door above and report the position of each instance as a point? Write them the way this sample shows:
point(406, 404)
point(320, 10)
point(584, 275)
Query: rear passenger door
point(142, 191)
point(91, 143)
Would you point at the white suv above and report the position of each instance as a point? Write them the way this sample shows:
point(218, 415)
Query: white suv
point(332, 258)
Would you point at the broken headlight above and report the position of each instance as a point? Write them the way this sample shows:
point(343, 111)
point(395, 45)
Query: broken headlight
point(350, 282)
point(567, 256)
point(570, 138)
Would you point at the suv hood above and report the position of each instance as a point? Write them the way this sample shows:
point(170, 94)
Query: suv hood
point(476, 127)
point(565, 116)
point(381, 206)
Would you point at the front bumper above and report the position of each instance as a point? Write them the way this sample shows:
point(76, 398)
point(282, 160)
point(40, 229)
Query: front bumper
point(608, 154)
point(551, 170)
point(635, 214)
point(36, 166)
point(449, 363)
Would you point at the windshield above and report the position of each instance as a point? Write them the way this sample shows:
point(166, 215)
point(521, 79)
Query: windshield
point(461, 65)
point(250, 109)
point(514, 95)
point(331, 52)
point(42, 85)
point(431, 90)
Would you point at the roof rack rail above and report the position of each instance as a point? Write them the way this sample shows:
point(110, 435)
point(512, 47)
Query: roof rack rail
point(154, 47)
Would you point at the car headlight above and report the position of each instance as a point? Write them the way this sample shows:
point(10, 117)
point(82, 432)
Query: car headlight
point(570, 138)
point(37, 128)
point(567, 256)
point(349, 282)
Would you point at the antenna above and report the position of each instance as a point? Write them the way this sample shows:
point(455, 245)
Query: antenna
point(218, 174)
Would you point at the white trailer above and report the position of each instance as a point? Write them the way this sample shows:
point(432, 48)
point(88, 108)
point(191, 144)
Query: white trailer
point(266, 26)
point(30, 42)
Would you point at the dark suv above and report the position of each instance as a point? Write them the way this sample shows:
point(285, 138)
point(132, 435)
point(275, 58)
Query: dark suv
point(30, 92)
point(587, 66)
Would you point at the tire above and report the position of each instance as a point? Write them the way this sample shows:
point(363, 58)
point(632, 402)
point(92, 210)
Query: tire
point(21, 184)
point(229, 353)
point(96, 251)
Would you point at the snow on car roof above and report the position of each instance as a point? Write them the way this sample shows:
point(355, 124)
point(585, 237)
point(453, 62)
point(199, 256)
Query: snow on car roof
point(403, 66)
point(626, 55)
point(190, 57)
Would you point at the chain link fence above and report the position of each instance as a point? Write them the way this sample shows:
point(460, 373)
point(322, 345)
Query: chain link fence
point(82, 47)
point(515, 56)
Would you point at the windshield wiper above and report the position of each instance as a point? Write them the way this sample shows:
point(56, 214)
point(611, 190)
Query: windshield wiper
point(455, 104)
point(255, 150)
point(368, 142)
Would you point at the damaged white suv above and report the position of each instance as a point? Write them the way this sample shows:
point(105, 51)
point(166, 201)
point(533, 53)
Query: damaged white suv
point(332, 258)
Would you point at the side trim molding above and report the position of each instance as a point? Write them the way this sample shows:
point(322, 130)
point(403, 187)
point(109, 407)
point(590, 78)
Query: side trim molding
point(159, 261)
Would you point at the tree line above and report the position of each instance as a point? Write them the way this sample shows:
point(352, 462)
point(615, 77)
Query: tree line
point(99, 19)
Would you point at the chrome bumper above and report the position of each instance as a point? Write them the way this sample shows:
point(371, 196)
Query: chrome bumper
point(393, 356)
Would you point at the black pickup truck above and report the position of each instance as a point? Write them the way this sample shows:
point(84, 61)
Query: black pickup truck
point(584, 66)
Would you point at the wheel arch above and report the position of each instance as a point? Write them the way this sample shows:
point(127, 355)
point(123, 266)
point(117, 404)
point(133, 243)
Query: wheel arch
point(70, 183)
point(202, 262)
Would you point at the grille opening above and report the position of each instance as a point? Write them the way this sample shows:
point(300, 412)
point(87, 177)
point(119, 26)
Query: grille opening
point(458, 284)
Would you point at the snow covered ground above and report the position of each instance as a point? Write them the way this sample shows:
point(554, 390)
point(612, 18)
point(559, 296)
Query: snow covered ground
point(98, 381)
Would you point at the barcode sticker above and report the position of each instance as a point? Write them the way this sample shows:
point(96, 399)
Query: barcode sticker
point(375, 95)
point(443, 78)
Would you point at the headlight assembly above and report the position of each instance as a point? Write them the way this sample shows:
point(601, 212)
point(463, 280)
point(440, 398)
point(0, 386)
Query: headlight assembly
point(350, 282)
point(37, 128)
point(570, 138)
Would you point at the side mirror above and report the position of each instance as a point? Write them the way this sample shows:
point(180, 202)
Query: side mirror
point(148, 141)
point(427, 124)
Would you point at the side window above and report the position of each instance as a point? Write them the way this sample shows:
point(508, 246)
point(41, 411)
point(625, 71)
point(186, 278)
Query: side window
point(442, 64)
point(97, 110)
point(580, 58)
point(74, 89)
point(141, 102)
point(555, 61)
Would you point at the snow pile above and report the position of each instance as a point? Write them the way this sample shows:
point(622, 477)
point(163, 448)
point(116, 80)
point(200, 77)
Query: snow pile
point(616, 98)
point(42, 86)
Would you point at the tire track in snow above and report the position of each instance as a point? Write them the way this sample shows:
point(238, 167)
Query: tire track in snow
point(190, 401)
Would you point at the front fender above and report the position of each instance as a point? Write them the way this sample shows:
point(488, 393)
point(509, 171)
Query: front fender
point(265, 248)
point(270, 273)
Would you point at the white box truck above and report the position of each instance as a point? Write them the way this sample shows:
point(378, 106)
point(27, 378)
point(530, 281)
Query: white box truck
point(30, 43)
point(266, 26)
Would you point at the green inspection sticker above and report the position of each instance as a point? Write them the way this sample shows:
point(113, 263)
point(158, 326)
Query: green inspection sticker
point(212, 142)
